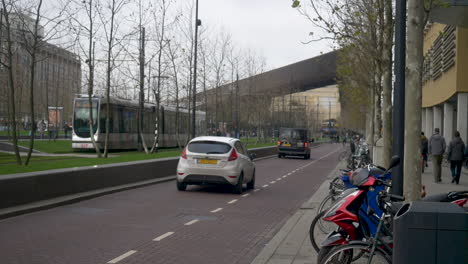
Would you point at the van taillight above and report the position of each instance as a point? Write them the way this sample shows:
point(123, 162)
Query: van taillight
point(279, 143)
point(233, 155)
point(306, 144)
point(184, 153)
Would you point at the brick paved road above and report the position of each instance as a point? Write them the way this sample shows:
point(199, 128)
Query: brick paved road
point(123, 227)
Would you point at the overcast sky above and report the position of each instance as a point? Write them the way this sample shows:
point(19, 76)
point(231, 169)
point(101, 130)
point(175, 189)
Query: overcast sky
point(270, 27)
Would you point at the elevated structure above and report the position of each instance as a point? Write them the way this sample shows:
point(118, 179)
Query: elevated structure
point(301, 76)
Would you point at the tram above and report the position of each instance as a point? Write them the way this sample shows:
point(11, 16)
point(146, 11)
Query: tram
point(123, 123)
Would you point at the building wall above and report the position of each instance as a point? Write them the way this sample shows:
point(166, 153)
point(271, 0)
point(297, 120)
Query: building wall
point(462, 59)
point(439, 90)
point(57, 80)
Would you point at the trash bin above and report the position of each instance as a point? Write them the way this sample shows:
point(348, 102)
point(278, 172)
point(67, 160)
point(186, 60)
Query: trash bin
point(429, 233)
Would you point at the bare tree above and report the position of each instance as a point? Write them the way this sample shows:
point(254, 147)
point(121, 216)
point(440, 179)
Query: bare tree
point(87, 29)
point(413, 98)
point(110, 28)
point(8, 64)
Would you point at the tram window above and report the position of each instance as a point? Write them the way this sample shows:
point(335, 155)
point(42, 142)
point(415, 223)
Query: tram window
point(102, 125)
point(121, 118)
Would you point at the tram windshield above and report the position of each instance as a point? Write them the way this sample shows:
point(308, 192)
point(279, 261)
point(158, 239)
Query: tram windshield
point(81, 117)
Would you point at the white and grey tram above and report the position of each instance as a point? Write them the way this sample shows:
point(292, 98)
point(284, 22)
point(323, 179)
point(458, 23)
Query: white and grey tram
point(123, 124)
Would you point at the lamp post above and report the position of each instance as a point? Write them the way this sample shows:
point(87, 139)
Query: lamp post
point(197, 24)
point(399, 94)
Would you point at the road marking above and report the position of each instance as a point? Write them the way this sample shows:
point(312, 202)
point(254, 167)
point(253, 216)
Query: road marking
point(256, 190)
point(289, 174)
point(245, 195)
point(217, 210)
point(232, 201)
point(119, 258)
point(161, 237)
point(191, 222)
point(264, 186)
point(272, 182)
point(279, 179)
point(285, 176)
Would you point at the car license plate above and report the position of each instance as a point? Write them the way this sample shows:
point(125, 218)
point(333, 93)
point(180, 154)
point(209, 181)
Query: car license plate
point(207, 161)
point(286, 145)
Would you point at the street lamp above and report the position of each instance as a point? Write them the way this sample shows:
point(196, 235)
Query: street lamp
point(197, 24)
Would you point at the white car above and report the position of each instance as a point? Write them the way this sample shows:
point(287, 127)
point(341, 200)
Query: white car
point(216, 160)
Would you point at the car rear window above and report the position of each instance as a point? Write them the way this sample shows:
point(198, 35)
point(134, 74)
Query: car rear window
point(209, 147)
point(295, 134)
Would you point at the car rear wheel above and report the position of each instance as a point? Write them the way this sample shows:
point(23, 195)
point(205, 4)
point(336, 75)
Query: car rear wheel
point(238, 187)
point(279, 156)
point(251, 184)
point(181, 186)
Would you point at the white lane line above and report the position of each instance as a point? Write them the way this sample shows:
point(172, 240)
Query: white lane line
point(272, 182)
point(232, 201)
point(119, 258)
point(279, 179)
point(289, 174)
point(191, 222)
point(245, 195)
point(256, 190)
point(264, 186)
point(285, 176)
point(161, 237)
point(217, 210)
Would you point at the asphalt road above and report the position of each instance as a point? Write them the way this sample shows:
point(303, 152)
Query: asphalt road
point(158, 224)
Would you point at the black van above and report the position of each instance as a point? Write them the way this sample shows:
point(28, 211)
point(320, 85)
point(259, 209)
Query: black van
point(293, 142)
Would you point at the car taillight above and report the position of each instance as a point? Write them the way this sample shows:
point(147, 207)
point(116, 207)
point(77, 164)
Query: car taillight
point(306, 144)
point(184, 153)
point(279, 143)
point(233, 155)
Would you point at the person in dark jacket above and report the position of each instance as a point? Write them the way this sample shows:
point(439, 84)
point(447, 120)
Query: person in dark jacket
point(456, 155)
point(424, 150)
point(437, 149)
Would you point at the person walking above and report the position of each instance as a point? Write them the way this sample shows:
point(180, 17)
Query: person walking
point(41, 127)
point(424, 150)
point(456, 153)
point(437, 149)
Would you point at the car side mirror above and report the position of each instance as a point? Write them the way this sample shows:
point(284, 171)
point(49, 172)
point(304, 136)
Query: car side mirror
point(252, 156)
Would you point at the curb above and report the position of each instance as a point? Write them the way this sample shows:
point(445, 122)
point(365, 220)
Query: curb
point(302, 216)
point(74, 198)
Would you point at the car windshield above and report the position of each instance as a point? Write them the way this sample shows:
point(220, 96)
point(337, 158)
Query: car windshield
point(81, 117)
point(209, 147)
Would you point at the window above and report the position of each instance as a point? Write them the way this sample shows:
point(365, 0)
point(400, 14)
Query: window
point(240, 148)
point(209, 147)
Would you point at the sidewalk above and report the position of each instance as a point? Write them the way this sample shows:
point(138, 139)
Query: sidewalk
point(446, 185)
point(291, 245)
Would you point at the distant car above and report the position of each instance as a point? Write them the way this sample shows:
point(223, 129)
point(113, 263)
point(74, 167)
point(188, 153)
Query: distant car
point(293, 142)
point(216, 160)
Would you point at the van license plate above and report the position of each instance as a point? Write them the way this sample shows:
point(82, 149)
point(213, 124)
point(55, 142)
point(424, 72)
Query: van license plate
point(207, 161)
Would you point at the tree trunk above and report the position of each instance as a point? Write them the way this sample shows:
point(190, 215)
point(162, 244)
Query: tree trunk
point(31, 80)
point(414, 61)
point(11, 83)
point(110, 42)
point(91, 49)
point(387, 85)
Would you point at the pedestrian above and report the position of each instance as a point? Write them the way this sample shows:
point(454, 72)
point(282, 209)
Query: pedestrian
point(424, 150)
point(456, 153)
point(437, 149)
point(66, 128)
point(41, 127)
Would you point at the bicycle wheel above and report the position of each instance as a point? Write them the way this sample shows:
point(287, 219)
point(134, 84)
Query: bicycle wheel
point(325, 226)
point(315, 233)
point(344, 255)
